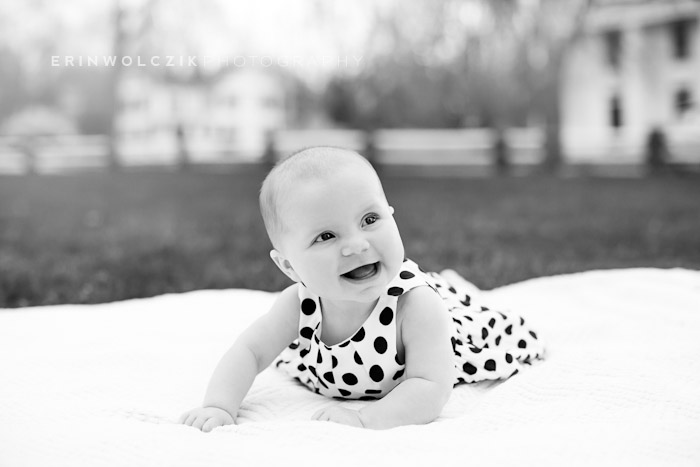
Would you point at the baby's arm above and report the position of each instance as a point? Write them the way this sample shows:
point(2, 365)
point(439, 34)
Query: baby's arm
point(252, 352)
point(425, 331)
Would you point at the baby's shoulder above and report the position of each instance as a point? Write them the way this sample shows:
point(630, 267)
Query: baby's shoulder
point(287, 302)
point(419, 300)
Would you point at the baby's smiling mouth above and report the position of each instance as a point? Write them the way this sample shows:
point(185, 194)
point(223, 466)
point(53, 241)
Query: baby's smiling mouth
point(363, 272)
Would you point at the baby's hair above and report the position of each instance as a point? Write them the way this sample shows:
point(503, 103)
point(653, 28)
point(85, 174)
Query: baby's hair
point(310, 163)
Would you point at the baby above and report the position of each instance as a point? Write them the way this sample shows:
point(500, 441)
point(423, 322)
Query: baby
point(361, 321)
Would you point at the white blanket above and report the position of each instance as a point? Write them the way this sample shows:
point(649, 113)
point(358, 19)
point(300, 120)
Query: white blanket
point(103, 385)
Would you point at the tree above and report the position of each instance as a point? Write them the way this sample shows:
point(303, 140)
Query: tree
point(547, 29)
point(493, 63)
point(407, 79)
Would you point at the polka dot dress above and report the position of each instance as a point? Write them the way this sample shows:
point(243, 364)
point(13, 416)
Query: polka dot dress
point(487, 344)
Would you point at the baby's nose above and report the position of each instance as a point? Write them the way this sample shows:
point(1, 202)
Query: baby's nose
point(355, 246)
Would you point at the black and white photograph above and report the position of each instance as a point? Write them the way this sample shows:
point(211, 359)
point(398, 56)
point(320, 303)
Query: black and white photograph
point(371, 232)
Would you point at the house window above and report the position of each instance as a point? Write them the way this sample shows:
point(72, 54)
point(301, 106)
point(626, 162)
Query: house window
point(683, 102)
point(613, 48)
point(680, 35)
point(615, 112)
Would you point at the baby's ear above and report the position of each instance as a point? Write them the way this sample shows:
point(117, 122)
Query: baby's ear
point(284, 265)
point(391, 210)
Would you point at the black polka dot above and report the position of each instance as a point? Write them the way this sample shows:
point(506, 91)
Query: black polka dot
point(319, 357)
point(484, 333)
point(406, 275)
point(329, 377)
point(457, 321)
point(306, 332)
point(358, 360)
point(469, 318)
point(498, 340)
point(376, 373)
point(532, 333)
point(294, 345)
point(303, 352)
point(509, 329)
point(301, 367)
point(344, 392)
point(313, 370)
point(344, 344)
point(475, 349)
point(367, 398)
point(466, 301)
point(522, 321)
point(469, 368)
point(490, 365)
point(323, 384)
point(308, 306)
point(359, 335)
point(522, 344)
point(380, 344)
point(386, 316)
point(350, 379)
point(395, 291)
point(334, 361)
point(492, 322)
point(373, 391)
point(509, 358)
point(483, 308)
point(398, 374)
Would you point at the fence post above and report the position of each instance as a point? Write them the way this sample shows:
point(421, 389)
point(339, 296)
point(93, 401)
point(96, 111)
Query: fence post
point(183, 157)
point(269, 156)
point(28, 148)
point(501, 152)
point(370, 149)
point(657, 152)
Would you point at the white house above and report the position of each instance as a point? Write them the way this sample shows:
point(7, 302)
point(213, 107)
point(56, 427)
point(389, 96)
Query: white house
point(218, 119)
point(636, 68)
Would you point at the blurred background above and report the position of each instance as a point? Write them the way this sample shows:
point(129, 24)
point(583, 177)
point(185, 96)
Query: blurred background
point(516, 138)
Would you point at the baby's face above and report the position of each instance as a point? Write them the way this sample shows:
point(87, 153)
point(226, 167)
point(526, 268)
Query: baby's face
point(341, 239)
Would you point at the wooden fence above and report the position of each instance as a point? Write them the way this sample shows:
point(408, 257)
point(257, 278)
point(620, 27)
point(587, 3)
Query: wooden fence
point(470, 150)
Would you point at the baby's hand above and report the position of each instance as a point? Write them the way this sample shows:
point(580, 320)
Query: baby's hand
point(339, 414)
point(206, 418)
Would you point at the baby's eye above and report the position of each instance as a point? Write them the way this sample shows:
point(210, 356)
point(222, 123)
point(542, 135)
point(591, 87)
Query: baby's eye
point(371, 219)
point(324, 237)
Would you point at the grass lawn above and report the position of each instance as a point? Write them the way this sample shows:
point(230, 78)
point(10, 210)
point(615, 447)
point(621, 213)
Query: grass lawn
point(93, 238)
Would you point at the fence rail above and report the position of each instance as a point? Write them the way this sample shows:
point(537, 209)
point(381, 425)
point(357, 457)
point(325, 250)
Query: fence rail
point(441, 148)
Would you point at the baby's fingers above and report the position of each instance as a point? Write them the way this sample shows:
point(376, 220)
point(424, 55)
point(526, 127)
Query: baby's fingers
point(200, 421)
point(187, 418)
point(211, 424)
